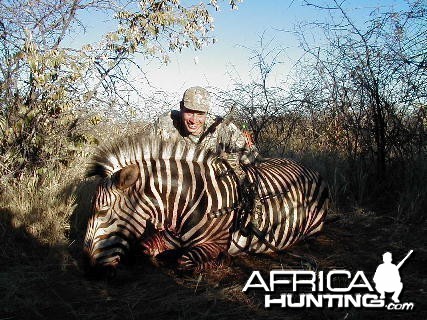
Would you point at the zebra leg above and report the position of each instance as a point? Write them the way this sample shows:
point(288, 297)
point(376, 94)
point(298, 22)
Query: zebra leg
point(203, 256)
point(158, 243)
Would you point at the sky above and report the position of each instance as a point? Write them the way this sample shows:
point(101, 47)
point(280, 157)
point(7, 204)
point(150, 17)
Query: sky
point(237, 32)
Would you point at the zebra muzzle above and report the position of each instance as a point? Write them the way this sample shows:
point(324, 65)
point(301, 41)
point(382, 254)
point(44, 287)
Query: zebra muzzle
point(95, 269)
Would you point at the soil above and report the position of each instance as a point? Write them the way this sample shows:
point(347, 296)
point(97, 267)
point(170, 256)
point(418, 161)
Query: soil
point(40, 282)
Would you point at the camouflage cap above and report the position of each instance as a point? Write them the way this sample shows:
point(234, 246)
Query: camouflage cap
point(196, 98)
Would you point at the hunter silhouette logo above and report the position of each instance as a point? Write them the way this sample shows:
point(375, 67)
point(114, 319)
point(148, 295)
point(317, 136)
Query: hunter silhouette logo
point(387, 277)
point(332, 288)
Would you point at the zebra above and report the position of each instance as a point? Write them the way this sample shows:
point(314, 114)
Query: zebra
point(293, 204)
point(190, 197)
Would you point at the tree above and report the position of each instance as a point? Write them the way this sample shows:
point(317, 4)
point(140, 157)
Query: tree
point(372, 79)
point(264, 108)
point(44, 84)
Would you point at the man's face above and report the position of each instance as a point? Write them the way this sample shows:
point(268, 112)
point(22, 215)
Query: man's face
point(193, 121)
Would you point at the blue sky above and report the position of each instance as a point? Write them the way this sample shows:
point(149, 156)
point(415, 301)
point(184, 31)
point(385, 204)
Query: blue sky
point(236, 32)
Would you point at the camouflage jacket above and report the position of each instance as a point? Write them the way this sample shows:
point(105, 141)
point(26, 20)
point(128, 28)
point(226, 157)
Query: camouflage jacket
point(217, 135)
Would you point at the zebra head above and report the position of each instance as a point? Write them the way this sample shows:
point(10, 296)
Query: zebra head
point(108, 234)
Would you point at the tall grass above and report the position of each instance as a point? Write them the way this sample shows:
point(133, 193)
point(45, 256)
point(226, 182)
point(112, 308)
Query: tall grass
point(412, 193)
point(51, 204)
point(38, 205)
point(355, 185)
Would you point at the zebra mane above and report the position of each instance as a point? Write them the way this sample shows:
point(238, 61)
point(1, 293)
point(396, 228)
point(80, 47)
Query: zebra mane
point(114, 156)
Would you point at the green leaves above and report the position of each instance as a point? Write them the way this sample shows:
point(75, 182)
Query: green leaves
point(157, 27)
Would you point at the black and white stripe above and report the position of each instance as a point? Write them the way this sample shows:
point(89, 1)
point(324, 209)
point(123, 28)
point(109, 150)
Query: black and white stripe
point(192, 200)
point(294, 203)
point(179, 189)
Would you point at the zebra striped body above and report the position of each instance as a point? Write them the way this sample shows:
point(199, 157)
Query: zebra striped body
point(294, 202)
point(191, 197)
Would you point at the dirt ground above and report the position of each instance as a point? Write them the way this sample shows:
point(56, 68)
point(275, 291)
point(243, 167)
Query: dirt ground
point(39, 282)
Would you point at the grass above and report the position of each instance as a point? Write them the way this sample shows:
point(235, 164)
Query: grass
point(43, 220)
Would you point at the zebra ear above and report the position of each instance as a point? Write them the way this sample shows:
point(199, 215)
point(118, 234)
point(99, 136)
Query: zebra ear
point(126, 177)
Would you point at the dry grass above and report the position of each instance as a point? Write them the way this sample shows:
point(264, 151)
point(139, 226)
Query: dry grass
point(42, 222)
point(35, 208)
